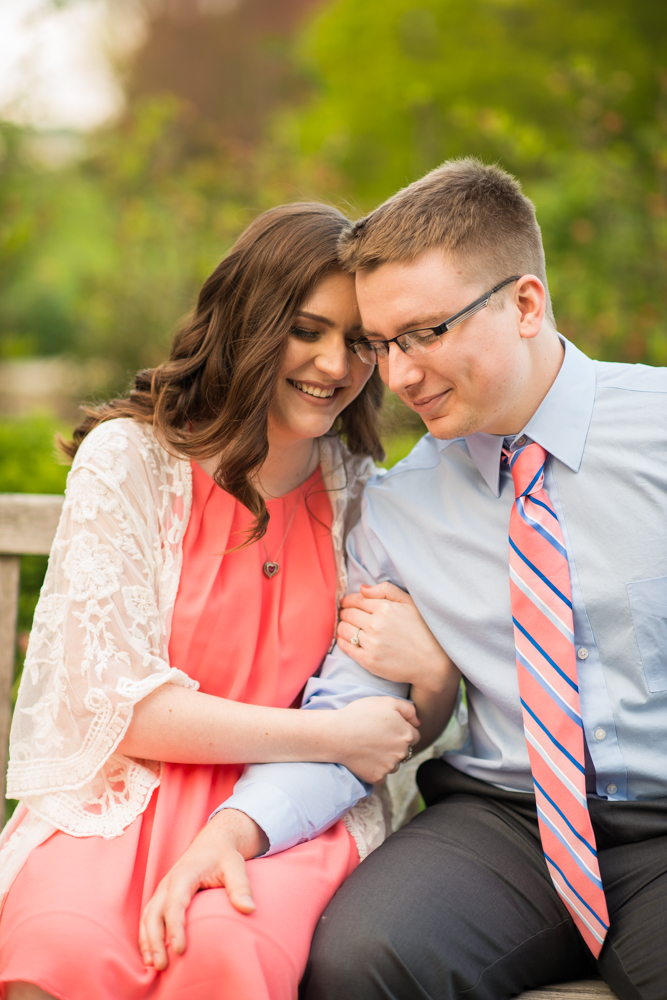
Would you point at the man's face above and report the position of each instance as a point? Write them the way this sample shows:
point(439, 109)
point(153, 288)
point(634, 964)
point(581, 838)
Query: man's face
point(471, 382)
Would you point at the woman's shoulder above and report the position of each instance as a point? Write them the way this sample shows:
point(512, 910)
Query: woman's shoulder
point(116, 446)
point(122, 466)
point(339, 462)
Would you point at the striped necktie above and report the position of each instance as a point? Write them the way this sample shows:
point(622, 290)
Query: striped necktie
point(547, 673)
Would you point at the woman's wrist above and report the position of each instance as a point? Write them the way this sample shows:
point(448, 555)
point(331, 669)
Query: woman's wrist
point(323, 736)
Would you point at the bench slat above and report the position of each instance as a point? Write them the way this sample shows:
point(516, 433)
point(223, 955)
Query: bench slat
point(9, 603)
point(588, 989)
point(28, 523)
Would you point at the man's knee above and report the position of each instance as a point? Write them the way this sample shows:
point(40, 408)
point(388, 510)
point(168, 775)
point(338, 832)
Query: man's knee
point(354, 947)
point(432, 912)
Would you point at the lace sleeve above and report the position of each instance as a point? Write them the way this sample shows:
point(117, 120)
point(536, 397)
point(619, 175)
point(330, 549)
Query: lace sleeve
point(99, 642)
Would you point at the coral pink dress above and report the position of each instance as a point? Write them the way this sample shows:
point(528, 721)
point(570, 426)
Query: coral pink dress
point(70, 923)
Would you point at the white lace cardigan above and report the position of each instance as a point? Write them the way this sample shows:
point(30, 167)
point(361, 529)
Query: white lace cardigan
point(100, 638)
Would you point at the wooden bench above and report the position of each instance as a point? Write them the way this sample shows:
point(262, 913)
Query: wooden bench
point(586, 989)
point(27, 526)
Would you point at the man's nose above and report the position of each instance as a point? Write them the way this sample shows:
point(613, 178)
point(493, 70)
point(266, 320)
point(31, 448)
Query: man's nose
point(400, 370)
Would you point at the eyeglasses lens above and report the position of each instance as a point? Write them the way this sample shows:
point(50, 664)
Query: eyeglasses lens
point(421, 343)
point(366, 353)
point(375, 352)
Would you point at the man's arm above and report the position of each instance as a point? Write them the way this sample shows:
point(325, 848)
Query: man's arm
point(293, 803)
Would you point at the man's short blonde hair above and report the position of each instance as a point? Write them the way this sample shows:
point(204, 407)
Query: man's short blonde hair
point(475, 213)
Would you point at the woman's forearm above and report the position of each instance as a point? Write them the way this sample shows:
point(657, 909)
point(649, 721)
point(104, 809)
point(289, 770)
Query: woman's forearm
point(187, 727)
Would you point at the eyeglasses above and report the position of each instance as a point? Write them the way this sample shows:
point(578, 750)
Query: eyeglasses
point(374, 352)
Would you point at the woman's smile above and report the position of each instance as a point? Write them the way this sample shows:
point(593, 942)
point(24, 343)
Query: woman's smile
point(319, 345)
point(314, 389)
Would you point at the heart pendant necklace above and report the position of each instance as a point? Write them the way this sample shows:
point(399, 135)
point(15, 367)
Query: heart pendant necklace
point(271, 566)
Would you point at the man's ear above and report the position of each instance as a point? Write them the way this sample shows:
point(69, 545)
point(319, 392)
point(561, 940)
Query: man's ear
point(530, 299)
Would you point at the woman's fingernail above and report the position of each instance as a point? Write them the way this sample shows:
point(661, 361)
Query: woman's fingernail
point(247, 901)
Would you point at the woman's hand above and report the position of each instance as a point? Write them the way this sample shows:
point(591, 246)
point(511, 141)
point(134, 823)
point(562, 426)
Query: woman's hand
point(394, 640)
point(396, 643)
point(375, 735)
point(215, 858)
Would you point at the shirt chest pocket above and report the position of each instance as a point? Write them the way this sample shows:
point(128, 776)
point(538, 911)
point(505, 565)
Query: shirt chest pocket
point(648, 603)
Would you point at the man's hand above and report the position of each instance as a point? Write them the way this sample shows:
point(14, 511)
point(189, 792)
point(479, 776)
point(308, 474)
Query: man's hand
point(215, 858)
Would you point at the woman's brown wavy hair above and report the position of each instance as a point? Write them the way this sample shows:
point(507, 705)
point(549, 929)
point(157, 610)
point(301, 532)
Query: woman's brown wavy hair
point(213, 394)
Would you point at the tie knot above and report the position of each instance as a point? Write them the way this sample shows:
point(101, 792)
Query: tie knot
point(527, 468)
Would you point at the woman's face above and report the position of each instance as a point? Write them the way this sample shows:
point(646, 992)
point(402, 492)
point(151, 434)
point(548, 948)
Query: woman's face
point(320, 374)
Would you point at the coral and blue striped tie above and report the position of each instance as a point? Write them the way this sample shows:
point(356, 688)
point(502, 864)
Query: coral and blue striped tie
point(547, 672)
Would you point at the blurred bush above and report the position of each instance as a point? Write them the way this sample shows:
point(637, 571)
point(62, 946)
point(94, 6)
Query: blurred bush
point(570, 95)
point(28, 464)
point(104, 245)
point(101, 255)
point(28, 459)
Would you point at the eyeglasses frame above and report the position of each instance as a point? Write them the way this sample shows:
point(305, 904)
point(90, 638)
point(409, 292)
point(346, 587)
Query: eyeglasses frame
point(438, 330)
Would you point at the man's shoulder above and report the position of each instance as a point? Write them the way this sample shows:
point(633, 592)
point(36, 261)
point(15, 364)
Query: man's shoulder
point(425, 456)
point(611, 375)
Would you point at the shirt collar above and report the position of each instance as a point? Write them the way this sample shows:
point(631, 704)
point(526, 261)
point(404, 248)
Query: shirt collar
point(560, 423)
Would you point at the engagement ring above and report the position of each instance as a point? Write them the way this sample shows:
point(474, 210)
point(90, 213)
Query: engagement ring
point(355, 638)
point(407, 756)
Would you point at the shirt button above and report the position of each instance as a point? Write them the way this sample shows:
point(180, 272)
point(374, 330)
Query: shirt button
point(519, 443)
point(600, 734)
point(582, 653)
point(612, 788)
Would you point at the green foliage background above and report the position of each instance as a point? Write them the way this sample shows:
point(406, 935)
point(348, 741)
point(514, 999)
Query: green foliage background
point(570, 95)
point(28, 464)
point(101, 256)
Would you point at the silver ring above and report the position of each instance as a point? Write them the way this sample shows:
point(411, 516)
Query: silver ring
point(355, 638)
point(408, 756)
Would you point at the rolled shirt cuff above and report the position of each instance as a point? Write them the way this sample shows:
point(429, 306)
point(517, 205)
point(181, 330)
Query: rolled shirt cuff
point(319, 795)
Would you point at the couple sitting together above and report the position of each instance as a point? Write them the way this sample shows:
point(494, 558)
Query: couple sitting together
point(184, 724)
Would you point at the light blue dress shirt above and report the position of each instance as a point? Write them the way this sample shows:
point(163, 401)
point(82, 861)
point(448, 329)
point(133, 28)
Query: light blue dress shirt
point(436, 525)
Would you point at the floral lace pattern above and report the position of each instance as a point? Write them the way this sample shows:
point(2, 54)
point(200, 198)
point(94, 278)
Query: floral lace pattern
point(100, 633)
point(100, 636)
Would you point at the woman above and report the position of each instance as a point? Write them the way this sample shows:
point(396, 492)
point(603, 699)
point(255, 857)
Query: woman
point(190, 594)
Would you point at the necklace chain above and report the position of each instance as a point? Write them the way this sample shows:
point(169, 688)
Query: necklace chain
point(271, 566)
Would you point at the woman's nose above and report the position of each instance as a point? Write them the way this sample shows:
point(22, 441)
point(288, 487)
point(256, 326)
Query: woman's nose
point(333, 361)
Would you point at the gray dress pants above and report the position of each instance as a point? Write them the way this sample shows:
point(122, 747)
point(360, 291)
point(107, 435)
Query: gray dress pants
point(459, 903)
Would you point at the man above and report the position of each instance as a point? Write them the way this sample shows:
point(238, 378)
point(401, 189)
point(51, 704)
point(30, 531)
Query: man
point(529, 528)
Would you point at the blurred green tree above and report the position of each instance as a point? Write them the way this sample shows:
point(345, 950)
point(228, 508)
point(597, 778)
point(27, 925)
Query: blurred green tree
point(570, 95)
point(101, 256)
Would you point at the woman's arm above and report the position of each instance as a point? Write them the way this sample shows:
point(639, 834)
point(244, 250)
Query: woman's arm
point(370, 736)
point(396, 643)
